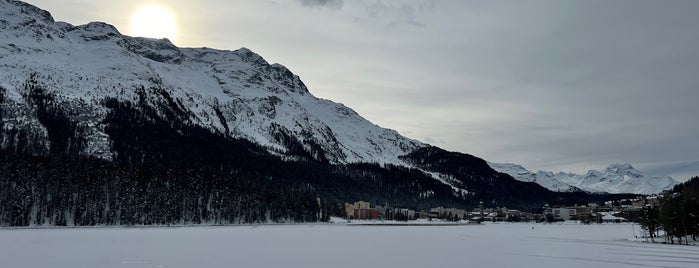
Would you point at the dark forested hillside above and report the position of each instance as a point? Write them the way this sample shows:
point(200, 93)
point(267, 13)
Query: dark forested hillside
point(80, 191)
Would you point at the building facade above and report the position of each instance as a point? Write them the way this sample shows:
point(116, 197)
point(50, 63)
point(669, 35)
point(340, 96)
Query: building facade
point(562, 213)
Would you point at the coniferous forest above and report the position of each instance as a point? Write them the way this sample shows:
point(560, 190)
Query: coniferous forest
point(62, 191)
point(677, 216)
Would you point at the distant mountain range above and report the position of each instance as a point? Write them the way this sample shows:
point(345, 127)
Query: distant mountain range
point(102, 128)
point(617, 178)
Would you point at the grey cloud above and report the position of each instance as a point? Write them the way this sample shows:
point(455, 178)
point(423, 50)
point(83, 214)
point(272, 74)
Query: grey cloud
point(388, 12)
point(393, 12)
point(336, 4)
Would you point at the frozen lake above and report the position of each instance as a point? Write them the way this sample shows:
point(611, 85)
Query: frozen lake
point(310, 246)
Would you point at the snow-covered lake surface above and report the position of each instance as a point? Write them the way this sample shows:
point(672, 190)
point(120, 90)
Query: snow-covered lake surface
point(310, 246)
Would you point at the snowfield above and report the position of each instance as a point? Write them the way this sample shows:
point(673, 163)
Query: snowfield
point(310, 246)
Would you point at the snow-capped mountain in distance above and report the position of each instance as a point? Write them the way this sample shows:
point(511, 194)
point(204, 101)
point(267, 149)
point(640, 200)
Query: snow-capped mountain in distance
point(522, 174)
point(234, 93)
point(617, 178)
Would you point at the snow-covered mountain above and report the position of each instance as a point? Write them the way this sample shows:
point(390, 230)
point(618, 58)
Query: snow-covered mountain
point(617, 178)
point(234, 93)
point(543, 178)
point(90, 113)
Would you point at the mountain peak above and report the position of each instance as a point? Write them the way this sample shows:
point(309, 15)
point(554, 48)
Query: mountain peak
point(19, 8)
point(623, 169)
point(249, 56)
point(620, 167)
point(100, 27)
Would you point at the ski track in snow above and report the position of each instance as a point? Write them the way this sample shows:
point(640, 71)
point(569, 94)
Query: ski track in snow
point(310, 246)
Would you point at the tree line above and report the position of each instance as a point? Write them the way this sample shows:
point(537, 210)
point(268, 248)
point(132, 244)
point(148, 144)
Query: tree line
point(677, 215)
point(58, 191)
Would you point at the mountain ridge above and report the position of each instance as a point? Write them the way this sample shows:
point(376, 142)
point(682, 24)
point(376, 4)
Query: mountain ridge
point(616, 178)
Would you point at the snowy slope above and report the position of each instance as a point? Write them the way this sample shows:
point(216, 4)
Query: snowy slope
point(233, 93)
point(617, 178)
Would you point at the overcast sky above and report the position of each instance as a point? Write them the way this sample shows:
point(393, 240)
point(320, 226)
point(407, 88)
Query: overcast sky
point(554, 85)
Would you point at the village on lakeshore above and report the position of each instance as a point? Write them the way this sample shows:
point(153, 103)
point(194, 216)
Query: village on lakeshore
point(625, 210)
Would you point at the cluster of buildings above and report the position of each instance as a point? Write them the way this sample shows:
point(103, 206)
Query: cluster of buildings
point(617, 211)
point(362, 210)
point(625, 210)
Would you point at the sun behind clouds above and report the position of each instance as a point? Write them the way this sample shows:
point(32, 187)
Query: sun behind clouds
point(154, 21)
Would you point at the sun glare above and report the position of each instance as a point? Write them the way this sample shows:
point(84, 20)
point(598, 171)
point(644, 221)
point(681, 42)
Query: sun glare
point(154, 22)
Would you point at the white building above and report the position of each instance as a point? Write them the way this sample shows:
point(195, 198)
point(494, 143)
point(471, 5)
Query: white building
point(563, 213)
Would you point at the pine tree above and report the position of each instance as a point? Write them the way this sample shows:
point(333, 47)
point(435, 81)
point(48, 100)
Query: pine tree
point(650, 221)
